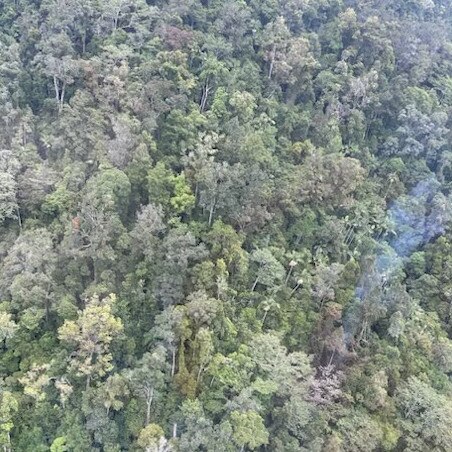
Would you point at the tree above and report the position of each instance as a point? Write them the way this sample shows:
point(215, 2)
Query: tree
point(168, 189)
point(168, 331)
point(35, 380)
point(152, 439)
point(8, 186)
point(90, 337)
point(7, 327)
point(121, 147)
point(178, 250)
point(98, 225)
point(8, 407)
point(147, 228)
point(276, 35)
point(203, 349)
point(344, 175)
point(114, 391)
point(198, 431)
point(212, 74)
point(325, 281)
point(359, 431)
point(215, 182)
point(148, 378)
point(59, 445)
point(34, 185)
point(425, 416)
point(233, 21)
point(274, 363)
point(248, 430)
point(419, 134)
point(227, 244)
point(28, 273)
point(269, 271)
point(11, 68)
point(57, 61)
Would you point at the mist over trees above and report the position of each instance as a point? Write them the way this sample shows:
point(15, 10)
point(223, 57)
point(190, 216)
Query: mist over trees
point(225, 225)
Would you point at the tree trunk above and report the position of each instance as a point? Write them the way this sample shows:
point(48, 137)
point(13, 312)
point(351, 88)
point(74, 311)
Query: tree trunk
point(289, 273)
point(362, 333)
point(348, 235)
point(200, 371)
point(450, 312)
point(19, 218)
point(173, 363)
point(196, 192)
point(272, 61)
point(204, 97)
point(295, 289)
point(211, 211)
point(255, 284)
point(56, 86)
point(47, 311)
point(298, 240)
point(62, 97)
point(8, 447)
point(148, 406)
point(84, 41)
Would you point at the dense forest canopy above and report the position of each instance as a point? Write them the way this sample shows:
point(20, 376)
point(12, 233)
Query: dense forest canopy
point(225, 225)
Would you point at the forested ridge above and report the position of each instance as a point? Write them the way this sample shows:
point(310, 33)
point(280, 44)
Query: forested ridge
point(225, 225)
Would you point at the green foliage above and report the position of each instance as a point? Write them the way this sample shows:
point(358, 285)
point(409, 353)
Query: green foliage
point(59, 445)
point(265, 185)
point(248, 429)
point(150, 437)
point(8, 406)
point(91, 335)
point(426, 416)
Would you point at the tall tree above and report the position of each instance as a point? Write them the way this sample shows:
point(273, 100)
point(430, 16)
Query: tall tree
point(90, 337)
